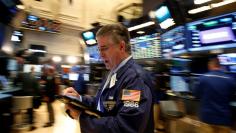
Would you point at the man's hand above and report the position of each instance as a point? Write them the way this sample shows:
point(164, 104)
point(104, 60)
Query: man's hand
point(73, 113)
point(71, 92)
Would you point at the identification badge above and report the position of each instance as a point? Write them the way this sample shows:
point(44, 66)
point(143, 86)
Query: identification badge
point(113, 80)
point(131, 104)
point(109, 105)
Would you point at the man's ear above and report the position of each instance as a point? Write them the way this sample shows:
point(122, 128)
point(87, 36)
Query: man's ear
point(122, 46)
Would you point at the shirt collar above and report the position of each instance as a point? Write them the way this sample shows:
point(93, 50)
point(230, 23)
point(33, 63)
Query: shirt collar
point(121, 64)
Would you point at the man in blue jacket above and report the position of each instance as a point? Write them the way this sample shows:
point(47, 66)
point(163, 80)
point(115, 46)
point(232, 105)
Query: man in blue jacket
point(215, 90)
point(125, 96)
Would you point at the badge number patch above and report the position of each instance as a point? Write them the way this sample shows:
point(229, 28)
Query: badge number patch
point(131, 104)
point(131, 95)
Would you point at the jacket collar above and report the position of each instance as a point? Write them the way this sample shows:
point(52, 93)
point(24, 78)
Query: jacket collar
point(124, 68)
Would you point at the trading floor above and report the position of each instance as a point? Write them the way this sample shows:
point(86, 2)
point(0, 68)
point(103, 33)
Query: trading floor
point(63, 124)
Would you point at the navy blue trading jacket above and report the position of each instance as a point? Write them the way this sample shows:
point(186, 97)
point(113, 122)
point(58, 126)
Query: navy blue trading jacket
point(215, 90)
point(120, 118)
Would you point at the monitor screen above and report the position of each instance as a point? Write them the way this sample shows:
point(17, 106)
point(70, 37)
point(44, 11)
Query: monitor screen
point(178, 84)
point(86, 77)
point(94, 55)
point(162, 14)
point(27, 68)
point(89, 37)
point(65, 76)
point(180, 65)
point(232, 68)
point(73, 76)
point(38, 50)
point(12, 65)
point(164, 17)
point(173, 42)
point(213, 33)
point(17, 36)
point(227, 59)
point(147, 46)
point(41, 24)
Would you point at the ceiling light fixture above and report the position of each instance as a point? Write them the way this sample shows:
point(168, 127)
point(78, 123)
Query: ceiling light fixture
point(140, 32)
point(197, 2)
point(210, 6)
point(225, 2)
point(56, 58)
point(141, 25)
point(200, 9)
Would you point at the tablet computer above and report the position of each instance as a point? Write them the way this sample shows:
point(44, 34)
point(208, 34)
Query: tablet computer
point(76, 103)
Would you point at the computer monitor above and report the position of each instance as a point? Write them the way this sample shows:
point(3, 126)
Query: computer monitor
point(89, 38)
point(73, 76)
point(94, 55)
point(86, 77)
point(180, 65)
point(164, 17)
point(212, 33)
point(27, 68)
point(178, 84)
point(12, 65)
point(146, 46)
point(232, 68)
point(17, 36)
point(227, 59)
point(173, 42)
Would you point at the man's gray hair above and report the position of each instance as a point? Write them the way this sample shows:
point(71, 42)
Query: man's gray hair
point(117, 32)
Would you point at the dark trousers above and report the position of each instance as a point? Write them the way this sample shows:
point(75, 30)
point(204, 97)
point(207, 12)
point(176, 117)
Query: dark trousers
point(30, 112)
point(50, 112)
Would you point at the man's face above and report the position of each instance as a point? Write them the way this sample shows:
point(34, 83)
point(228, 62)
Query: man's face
point(109, 52)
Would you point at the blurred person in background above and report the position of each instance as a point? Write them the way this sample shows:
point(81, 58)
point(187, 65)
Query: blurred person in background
point(215, 90)
point(50, 87)
point(4, 73)
point(29, 87)
point(125, 96)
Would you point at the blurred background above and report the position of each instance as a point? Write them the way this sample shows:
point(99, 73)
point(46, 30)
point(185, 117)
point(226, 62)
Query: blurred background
point(48, 45)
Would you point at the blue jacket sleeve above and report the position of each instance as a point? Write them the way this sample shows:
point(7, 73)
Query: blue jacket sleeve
point(90, 101)
point(198, 88)
point(127, 119)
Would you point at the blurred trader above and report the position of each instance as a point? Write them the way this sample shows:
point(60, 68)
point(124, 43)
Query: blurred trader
point(125, 95)
point(50, 88)
point(215, 90)
point(29, 87)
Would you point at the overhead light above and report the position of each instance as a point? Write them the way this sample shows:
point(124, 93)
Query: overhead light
point(72, 59)
point(65, 66)
point(141, 26)
point(140, 32)
point(56, 58)
point(211, 6)
point(37, 50)
point(197, 2)
point(152, 14)
point(7, 48)
point(225, 2)
point(200, 9)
